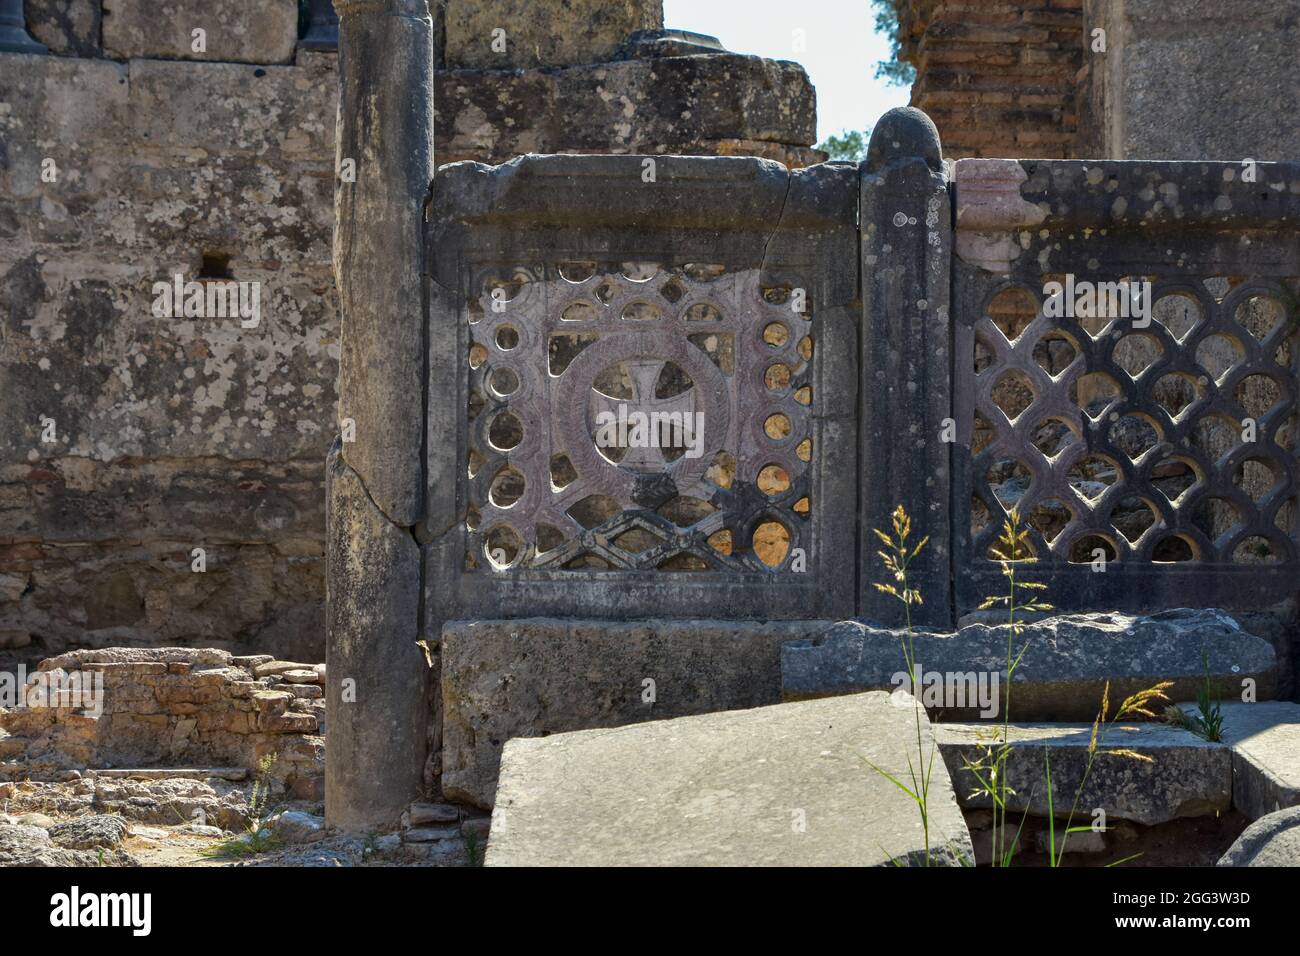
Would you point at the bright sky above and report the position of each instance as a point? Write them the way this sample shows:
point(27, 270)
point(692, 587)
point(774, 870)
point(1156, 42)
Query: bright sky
point(840, 49)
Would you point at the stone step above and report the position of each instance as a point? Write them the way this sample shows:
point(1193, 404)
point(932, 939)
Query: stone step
point(786, 785)
point(1265, 742)
point(164, 773)
point(1255, 768)
point(1183, 776)
point(1067, 663)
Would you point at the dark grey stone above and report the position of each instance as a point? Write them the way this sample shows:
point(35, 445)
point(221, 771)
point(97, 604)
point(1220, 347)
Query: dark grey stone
point(1065, 669)
point(386, 128)
point(374, 751)
point(906, 388)
point(660, 43)
point(1175, 775)
point(1171, 83)
point(692, 105)
point(1214, 243)
point(1273, 840)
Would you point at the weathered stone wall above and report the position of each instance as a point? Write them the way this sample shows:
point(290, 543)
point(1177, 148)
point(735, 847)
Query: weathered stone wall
point(1192, 79)
point(170, 707)
point(171, 434)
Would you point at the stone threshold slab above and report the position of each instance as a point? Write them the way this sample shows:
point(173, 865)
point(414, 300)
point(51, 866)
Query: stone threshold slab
point(168, 773)
point(1182, 775)
point(1265, 742)
point(786, 785)
point(1067, 663)
point(1255, 769)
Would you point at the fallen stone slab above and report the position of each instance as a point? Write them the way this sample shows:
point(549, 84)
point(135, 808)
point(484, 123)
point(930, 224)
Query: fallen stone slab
point(272, 668)
point(1063, 673)
point(786, 785)
point(78, 659)
point(294, 826)
point(1176, 775)
point(430, 834)
point(303, 676)
point(1272, 840)
point(1265, 742)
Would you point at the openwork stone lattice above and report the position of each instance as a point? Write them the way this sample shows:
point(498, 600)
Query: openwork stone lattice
point(717, 363)
point(1166, 443)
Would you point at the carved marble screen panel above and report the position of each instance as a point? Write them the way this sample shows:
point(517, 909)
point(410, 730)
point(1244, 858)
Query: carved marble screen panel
point(1127, 380)
point(639, 417)
point(647, 424)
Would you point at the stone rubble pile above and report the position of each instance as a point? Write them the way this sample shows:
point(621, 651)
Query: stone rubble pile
point(170, 707)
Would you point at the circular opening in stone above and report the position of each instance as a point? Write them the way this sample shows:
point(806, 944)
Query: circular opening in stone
point(777, 427)
point(502, 546)
point(773, 480)
point(777, 377)
point(507, 487)
point(507, 338)
point(776, 334)
point(771, 543)
point(504, 381)
point(506, 431)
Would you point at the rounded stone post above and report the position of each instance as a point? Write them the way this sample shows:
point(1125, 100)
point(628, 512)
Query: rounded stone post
point(376, 709)
point(907, 347)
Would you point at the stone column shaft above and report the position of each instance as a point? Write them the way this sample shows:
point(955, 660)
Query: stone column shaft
point(377, 714)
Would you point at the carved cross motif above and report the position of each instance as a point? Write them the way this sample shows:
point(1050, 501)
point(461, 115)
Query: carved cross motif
point(645, 425)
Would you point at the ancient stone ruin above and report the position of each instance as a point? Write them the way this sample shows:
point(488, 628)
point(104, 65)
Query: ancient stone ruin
point(685, 490)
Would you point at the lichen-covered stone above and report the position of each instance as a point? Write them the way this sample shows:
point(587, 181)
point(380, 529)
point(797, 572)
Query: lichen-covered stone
point(66, 26)
point(525, 33)
point(787, 785)
point(534, 677)
point(1067, 663)
point(89, 833)
point(178, 433)
point(1272, 840)
point(233, 30)
point(1175, 774)
point(714, 104)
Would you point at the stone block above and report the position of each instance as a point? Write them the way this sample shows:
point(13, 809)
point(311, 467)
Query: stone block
point(529, 678)
point(66, 26)
point(1265, 741)
point(423, 813)
point(1067, 664)
point(525, 33)
point(787, 785)
point(233, 30)
point(1272, 840)
point(696, 105)
point(1176, 775)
